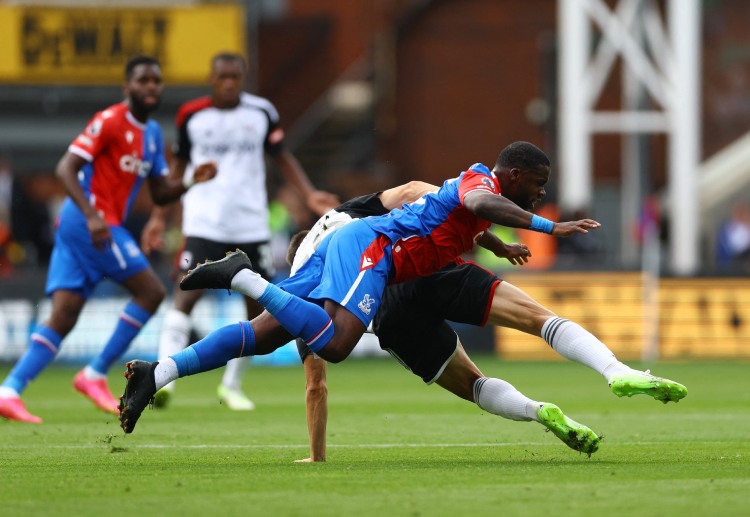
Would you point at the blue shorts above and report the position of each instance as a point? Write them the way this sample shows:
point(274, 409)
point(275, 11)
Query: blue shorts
point(76, 265)
point(351, 267)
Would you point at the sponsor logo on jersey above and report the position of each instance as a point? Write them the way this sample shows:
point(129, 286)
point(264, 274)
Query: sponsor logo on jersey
point(218, 150)
point(366, 304)
point(131, 164)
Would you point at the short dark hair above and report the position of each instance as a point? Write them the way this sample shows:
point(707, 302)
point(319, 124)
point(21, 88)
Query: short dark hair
point(228, 56)
point(522, 155)
point(294, 245)
point(138, 60)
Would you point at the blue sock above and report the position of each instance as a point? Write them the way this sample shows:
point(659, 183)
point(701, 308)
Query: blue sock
point(299, 317)
point(214, 350)
point(132, 319)
point(43, 347)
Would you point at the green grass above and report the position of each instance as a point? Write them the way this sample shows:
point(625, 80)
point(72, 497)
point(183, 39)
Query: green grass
point(396, 447)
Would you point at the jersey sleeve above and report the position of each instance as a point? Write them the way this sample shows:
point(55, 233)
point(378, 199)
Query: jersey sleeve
point(90, 142)
point(182, 145)
point(274, 142)
point(160, 167)
point(477, 178)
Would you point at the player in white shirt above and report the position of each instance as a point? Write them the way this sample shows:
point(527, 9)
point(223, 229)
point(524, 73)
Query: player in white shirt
point(235, 130)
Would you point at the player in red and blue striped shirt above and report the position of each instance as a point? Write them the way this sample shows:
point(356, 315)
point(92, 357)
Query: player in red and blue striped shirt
point(102, 172)
point(334, 296)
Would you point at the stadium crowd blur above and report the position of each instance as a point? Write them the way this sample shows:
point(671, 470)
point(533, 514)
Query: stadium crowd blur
point(374, 131)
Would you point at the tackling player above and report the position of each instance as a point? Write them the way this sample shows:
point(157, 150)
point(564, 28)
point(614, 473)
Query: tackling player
point(102, 171)
point(349, 270)
point(411, 326)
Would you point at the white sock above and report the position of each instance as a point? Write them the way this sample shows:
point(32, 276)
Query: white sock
point(92, 374)
point(249, 283)
point(232, 378)
point(165, 372)
point(8, 393)
point(175, 336)
point(501, 398)
point(572, 341)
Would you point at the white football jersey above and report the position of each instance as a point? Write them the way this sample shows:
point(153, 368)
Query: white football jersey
point(331, 221)
point(232, 207)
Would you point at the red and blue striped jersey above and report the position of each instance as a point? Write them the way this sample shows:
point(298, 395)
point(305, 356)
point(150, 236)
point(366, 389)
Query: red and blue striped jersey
point(437, 228)
point(121, 152)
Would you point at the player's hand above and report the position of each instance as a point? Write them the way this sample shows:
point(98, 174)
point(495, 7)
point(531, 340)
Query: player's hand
point(152, 236)
point(320, 202)
point(99, 230)
point(567, 228)
point(205, 172)
point(517, 254)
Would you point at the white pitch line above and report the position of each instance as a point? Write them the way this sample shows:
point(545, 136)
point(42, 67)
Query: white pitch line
point(334, 446)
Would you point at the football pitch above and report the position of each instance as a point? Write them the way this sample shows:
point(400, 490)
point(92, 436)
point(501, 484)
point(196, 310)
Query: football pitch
point(396, 447)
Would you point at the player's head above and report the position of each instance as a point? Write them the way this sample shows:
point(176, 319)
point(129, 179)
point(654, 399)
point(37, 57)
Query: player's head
point(294, 245)
point(143, 85)
point(227, 79)
point(523, 170)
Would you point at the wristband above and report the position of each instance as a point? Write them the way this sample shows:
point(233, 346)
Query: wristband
point(188, 181)
point(540, 224)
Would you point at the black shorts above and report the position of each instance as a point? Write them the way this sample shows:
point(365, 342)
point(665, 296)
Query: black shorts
point(411, 321)
point(195, 250)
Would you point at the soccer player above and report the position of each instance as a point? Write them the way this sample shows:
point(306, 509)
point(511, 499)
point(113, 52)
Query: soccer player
point(334, 296)
point(411, 326)
point(233, 129)
point(102, 172)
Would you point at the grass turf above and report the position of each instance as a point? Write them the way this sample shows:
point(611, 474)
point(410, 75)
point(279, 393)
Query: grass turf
point(396, 447)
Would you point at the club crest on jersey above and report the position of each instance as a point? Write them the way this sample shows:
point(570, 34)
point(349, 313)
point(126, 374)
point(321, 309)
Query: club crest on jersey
point(95, 127)
point(366, 304)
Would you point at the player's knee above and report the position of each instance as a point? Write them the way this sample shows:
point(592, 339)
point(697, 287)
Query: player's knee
point(334, 352)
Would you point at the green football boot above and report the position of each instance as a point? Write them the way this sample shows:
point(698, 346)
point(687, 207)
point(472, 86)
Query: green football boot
point(576, 436)
point(643, 383)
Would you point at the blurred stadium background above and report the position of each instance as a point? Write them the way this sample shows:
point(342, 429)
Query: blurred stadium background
point(642, 105)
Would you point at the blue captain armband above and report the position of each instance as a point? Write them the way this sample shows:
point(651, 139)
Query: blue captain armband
point(540, 224)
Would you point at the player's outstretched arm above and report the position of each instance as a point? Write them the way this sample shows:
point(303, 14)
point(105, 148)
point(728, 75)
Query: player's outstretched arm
point(407, 193)
point(501, 210)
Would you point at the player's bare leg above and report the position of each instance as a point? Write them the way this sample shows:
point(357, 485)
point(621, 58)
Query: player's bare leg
point(316, 405)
